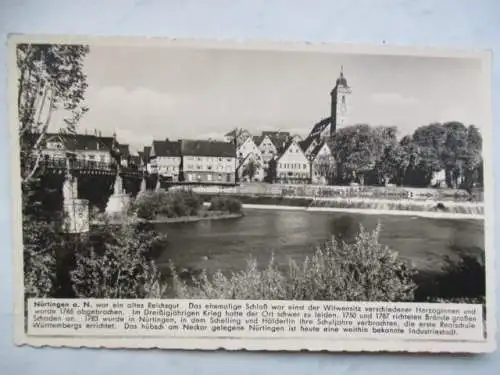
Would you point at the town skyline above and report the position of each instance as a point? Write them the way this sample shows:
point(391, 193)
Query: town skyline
point(155, 93)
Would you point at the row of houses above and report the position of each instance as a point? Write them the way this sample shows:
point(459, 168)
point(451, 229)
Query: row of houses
point(194, 161)
point(282, 157)
point(270, 156)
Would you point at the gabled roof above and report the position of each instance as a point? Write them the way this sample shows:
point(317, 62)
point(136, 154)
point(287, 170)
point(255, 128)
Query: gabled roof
point(304, 145)
point(207, 148)
point(278, 138)
point(166, 148)
point(287, 146)
point(82, 142)
point(317, 149)
point(319, 127)
point(257, 139)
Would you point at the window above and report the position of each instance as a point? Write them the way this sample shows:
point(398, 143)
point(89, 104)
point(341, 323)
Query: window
point(209, 177)
point(305, 166)
point(190, 177)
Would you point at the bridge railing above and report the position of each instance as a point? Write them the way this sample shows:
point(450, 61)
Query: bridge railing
point(48, 162)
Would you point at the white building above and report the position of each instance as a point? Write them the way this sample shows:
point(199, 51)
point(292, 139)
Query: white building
point(267, 149)
point(250, 161)
point(91, 148)
point(293, 165)
point(165, 159)
point(322, 164)
point(207, 162)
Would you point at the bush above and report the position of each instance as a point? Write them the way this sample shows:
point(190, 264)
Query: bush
point(118, 265)
point(228, 204)
point(40, 248)
point(168, 204)
point(461, 280)
point(364, 270)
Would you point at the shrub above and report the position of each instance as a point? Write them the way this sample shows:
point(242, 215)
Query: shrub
point(364, 270)
point(39, 256)
point(166, 203)
point(228, 204)
point(118, 265)
point(461, 280)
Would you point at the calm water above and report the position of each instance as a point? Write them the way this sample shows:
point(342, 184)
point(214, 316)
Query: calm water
point(225, 244)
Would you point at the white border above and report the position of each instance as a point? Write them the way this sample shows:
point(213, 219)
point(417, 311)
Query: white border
point(20, 336)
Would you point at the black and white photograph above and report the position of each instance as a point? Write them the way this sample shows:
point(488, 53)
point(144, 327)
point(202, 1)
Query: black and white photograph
point(185, 172)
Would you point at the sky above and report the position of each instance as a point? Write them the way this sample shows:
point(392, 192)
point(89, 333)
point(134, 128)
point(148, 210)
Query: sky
point(146, 93)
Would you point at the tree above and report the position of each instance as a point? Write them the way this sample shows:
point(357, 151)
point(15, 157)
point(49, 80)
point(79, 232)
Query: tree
point(271, 173)
point(454, 152)
point(237, 136)
point(250, 169)
point(324, 166)
point(51, 78)
point(357, 149)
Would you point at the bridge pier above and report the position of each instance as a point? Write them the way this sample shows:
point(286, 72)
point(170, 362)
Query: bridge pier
point(119, 201)
point(76, 211)
point(158, 183)
point(143, 187)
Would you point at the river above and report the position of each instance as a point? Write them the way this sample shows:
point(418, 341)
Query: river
point(226, 244)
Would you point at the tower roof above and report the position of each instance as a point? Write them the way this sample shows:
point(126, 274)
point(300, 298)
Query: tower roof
point(341, 81)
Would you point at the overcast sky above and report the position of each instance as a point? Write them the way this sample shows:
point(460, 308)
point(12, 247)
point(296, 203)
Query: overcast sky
point(146, 93)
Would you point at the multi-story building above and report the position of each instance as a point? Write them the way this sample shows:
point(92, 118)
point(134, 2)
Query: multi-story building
point(208, 161)
point(293, 166)
point(85, 147)
point(165, 159)
point(250, 161)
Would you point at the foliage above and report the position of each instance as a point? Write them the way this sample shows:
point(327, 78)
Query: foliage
point(271, 172)
point(51, 78)
point(462, 278)
point(166, 203)
point(250, 169)
point(228, 204)
point(237, 136)
point(118, 265)
point(39, 254)
point(324, 166)
point(363, 270)
point(362, 150)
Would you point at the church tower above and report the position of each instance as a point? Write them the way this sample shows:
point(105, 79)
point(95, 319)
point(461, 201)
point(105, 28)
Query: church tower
point(340, 103)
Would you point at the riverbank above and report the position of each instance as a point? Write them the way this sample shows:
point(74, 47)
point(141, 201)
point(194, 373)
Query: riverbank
point(167, 220)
